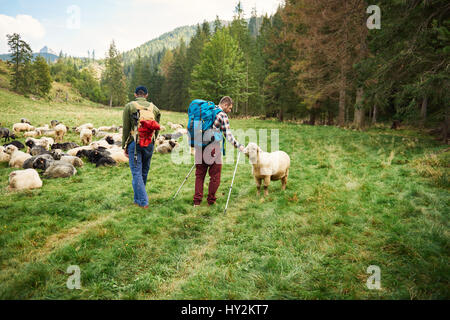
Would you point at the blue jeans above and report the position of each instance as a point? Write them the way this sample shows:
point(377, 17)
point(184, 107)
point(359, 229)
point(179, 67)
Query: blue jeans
point(139, 171)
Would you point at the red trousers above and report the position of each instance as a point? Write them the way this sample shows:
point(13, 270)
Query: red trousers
point(215, 170)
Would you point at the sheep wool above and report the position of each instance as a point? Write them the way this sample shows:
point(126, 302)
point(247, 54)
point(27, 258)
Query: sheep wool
point(24, 179)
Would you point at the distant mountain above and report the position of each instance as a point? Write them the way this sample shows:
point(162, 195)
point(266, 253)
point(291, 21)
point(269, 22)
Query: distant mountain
point(45, 52)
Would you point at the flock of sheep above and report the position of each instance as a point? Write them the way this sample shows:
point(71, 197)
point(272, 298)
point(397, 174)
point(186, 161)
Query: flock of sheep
point(58, 159)
point(46, 151)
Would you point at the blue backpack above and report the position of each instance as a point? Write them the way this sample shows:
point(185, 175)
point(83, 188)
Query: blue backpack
point(202, 115)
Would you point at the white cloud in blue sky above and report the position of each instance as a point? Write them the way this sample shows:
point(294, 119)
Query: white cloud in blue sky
point(130, 23)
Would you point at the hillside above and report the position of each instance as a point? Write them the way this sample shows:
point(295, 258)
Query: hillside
point(168, 40)
point(353, 199)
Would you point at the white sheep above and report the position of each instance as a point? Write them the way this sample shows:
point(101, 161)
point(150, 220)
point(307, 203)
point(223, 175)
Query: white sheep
point(86, 136)
point(60, 169)
point(268, 166)
point(112, 128)
point(174, 126)
point(61, 131)
point(118, 155)
point(84, 126)
point(74, 151)
point(4, 157)
point(73, 160)
point(17, 157)
point(33, 134)
point(22, 127)
point(24, 179)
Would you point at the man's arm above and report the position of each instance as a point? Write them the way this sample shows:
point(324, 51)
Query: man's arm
point(224, 125)
point(158, 119)
point(126, 126)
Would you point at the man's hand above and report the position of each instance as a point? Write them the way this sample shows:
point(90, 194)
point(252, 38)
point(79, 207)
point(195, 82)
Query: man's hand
point(241, 148)
point(126, 152)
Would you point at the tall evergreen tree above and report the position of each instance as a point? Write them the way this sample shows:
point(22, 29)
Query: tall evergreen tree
point(114, 77)
point(21, 59)
point(42, 81)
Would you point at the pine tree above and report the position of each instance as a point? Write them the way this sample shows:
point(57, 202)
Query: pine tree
point(42, 81)
point(114, 77)
point(21, 59)
point(221, 70)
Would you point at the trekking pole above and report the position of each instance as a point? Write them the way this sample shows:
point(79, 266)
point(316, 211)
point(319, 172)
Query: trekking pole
point(232, 181)
point(185, 179)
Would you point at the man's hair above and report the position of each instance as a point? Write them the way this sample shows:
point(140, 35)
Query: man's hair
point(140, 93)
point(226, 101)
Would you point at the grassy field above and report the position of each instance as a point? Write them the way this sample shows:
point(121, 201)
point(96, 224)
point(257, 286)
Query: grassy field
point(353, 199)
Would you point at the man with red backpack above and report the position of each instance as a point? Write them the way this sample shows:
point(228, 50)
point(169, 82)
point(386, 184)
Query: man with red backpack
point(209, 121)
point(140, 128)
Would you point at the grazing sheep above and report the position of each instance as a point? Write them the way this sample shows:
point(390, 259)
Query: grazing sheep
point(6, 134)
point(18, 144)
point(60, 169)
point(64, 146)
point(112, 128)
point(61, 130)
point(24, 120)
point(268, 166)
point(22, 127)
point(166, 147)
point(174, 126)
point(54, 123)
point(74, 151)
point(84, 126)
point(86, 136)
point(24, 179)
point(4, 157)
point(38, 150)
point(44, 142)
point(29, 163)
point(99, 157)
point(17, 157)
point(33, 134)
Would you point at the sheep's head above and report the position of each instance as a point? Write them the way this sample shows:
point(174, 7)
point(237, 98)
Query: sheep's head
point(11, 149)
point(252, 151)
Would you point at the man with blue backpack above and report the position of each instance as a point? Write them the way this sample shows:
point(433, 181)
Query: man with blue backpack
point(206, 125)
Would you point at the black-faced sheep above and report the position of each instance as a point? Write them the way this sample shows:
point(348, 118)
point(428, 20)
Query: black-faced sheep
point(44, 142)
point(6, 134)
point(60, 169)
point(24, 179)
point(54, 123)
point(19, 145)
point(17, 157)
point(99, 157)
point(24, 120)
point(268, 166)
point(29, 163)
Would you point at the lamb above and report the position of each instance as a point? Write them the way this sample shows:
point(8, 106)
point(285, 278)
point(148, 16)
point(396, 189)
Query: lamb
point(268, 166)
point(60, 169)
point(4, 157)
point(61, 130)
point(6, 134)
point(64, 146)
point(166, 147)
point(22, 127)
point(17, 157)
point(86, 136)
point(18, 144)
point(24, 179)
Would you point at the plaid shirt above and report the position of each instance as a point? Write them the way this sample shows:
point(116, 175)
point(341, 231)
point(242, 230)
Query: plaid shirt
point(223, 124)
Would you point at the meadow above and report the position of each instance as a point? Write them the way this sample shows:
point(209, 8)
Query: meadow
point(353, 199)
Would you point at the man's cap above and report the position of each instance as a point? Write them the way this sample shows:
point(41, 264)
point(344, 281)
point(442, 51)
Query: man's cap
point(141, 88)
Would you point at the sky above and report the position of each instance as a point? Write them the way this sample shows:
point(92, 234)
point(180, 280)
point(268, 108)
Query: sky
point(76, 26)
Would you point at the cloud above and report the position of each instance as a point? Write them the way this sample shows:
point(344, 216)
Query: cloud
point(28, 27)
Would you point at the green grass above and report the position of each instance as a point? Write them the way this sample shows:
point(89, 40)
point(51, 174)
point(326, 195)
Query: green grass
point(353, 199)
